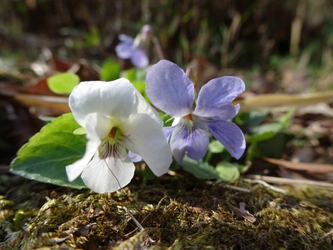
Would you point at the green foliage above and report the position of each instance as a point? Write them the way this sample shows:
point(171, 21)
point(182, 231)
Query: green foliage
point(62, 83)
point(227, 171)
point(80, 131)
point(138, 78)
point(216, 147)
point(269, 140)
point(168, 119)
point(47, 153)
point(273, 147)
point(264, 132)
point(110, 70)
point(92, 37)
point(251, 119)
point(224, 171)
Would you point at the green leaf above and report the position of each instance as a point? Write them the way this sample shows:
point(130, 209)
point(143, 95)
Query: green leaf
point(216, 147)
point(167, 119)
point(80, 131)
point(227, 171)
point(130, 74)
point(110, 70)
point(224, 171)
point(141, 86)
point(93, 37)
point(265, 132)
point(138, 78)
point(273, 147)
point(254, 118)
point(147, 174)
point(47, 153)
point(286, 120)
point(62, 83)
point(201, 170)
point(136, 74)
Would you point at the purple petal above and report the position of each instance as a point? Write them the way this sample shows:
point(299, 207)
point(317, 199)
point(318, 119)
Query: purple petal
point(215, 97)
point(170, 89)
point(134, 157)
point(124, 50)
point(139, 58)
point(125, 39)
point(225, 112)
point(146, 31)
point(230, 135)
point(167, 131)
point(189, 138)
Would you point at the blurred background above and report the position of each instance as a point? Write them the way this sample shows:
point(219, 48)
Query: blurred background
point(244, 34)
point(276, 46)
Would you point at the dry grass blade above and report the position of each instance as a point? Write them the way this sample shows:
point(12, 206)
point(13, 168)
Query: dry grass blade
point(58, 103)
point(270, 101)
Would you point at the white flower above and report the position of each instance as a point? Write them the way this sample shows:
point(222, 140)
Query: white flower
point(116, 117)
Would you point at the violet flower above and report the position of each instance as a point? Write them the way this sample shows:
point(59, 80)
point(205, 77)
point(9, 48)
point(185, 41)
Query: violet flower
point(133, 49)
point(170, 90)
point(117, 118)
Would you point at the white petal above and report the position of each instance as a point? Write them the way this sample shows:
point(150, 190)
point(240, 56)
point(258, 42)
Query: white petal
point(74, 170)
point(97, 126)
point(110, 174)
point(142, 106)
point(115, 98)
point(144, 136)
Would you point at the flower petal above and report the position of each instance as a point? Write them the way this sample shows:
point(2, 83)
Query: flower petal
point(74, 170)
point(230, 135)
point(142, 106)
point(167, 131)
point(224, 112)
point(170, 89)
point(125, 38)
point(114, 98)
point(124, 50)
point(134, 157)
point(139, 58)
point(189, 138)
point(215, 97)
point(144, 136)
point(110, 174)
point(97, 126)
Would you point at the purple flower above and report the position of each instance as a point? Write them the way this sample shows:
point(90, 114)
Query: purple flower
point(170, 90)
point(132, 49)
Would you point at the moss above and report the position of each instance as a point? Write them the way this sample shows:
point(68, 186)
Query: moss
point(174, 213)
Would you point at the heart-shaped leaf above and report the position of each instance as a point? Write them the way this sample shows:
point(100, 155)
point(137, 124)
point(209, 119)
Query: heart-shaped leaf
point(63, 83)
point(47, 153)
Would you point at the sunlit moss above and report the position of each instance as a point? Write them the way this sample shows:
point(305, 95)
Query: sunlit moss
point(175, 213)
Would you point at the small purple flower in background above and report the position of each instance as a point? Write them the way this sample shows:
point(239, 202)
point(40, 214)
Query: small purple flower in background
point(170, 90)
point(133, 49)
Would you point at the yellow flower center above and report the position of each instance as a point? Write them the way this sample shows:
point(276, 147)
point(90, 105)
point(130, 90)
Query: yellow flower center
point(111, 144)
point(189, 117)
point(113, 132)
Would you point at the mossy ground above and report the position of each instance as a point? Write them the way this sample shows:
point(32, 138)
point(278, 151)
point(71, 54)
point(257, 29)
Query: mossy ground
point(176, 212)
